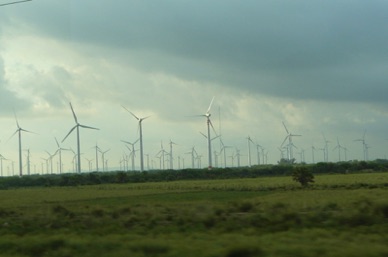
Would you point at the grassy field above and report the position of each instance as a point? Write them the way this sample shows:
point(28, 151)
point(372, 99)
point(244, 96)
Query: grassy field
point(340, 215)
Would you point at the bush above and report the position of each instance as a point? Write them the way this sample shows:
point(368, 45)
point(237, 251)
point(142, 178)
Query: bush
point(302, 175)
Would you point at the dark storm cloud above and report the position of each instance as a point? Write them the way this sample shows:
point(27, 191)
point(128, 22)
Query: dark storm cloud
point(331, 50)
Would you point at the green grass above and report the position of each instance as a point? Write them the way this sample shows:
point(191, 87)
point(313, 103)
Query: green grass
point(340, 215)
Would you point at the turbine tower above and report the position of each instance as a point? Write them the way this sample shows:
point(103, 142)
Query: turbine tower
point(193, 154)
point(1, 163)
point(171, 158)
point(209, 139)
point(140, 129)
point(326, 148)
point(19, 131)
point(77, 126)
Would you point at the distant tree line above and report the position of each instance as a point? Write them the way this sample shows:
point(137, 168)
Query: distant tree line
point(95, 178)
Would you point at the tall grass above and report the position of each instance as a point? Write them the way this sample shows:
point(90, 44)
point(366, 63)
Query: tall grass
point(340, 215)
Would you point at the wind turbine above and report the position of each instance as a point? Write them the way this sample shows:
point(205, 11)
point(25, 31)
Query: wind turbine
point(140, 129)
point(364, 145)
point(238, 155)
point(97, 150)
point(326, 148)
point(312, 152)
point(209, 139)
point(290, 144)
point(162, 153)
point(223, 149)
point(171, 158)
point(103, 158)
point(249, 150)
point(59, 151)
point(1, 162)
point(258, 146)
point(77, 126)
point(28, 161)
point(50, 158)
point(19, 131)
point(90, 163)
point(338, 146)
point(193, 154)
point(132, 151)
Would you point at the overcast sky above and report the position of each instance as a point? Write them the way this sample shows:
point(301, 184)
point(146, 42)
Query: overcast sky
point(318, 66)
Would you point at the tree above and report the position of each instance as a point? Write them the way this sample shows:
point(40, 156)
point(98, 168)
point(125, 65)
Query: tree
point(302, 175)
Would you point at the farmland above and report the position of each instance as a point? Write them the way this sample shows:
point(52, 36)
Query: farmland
point(339, 215)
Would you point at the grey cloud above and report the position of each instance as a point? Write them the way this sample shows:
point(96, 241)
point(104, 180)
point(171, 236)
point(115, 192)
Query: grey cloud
point(299, 49)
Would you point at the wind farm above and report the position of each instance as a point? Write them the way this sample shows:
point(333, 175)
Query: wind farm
point(130, 155)
point(193, 128)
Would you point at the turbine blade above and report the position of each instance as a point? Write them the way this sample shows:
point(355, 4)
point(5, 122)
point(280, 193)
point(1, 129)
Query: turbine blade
point(284, 141)
point(141, 119)
point(211, 124)
point(57, 142)
point(285, 127)
point(131, 113)
point(210, 106)
point(17, 2)
point(72, 110)
point(71, 130)
point(83, 126)
point(16, 119)
point(203, 134)
point(28, 131)
point(13, 134)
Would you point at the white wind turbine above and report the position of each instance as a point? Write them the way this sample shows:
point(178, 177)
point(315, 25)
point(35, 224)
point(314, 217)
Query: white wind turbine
point(97, 150)
point(193, 156)
point(326, 148)
point(209, 139)
point(59, 151)
point(364, 145)
point(162, 153)
point(104, 168)
point(1, 163)
point(28, 161)
point(258, 146)
point(19, 131)
point(223, 149)
point(77, 126)
point(89, 163)
point(290, 144)
point(312, 153)
point(140, 129)
point(249, 150)
point(171, 158)
point(132, 151)
point(339, 147)
point(50, 159)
